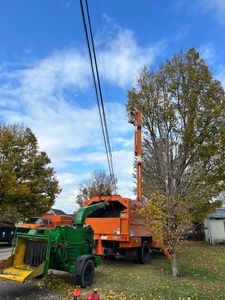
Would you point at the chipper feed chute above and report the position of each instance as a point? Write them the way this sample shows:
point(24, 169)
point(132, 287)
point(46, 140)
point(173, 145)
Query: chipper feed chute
point(28, 261)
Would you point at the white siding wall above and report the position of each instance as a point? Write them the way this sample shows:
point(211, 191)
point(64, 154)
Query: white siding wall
point(217, 230)
point(207, 230)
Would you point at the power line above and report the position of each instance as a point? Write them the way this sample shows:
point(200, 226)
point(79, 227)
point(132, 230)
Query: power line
point(97, 87)
point(100, 90)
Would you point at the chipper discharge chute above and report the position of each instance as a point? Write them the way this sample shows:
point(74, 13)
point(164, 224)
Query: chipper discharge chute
point(64, 248)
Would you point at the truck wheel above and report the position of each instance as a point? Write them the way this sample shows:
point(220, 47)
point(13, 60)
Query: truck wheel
point(87, 274)
point(143, 253)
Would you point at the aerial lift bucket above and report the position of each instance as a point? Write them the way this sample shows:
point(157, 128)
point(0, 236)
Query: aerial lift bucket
point(28, 261)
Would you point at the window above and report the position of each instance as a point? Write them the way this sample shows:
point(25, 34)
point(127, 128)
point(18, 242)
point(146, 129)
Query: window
point(34, 221)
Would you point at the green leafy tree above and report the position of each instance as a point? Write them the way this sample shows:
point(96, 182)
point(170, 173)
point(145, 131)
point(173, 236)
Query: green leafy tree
point(27, 183)
point(183, 110)
point(100, 184)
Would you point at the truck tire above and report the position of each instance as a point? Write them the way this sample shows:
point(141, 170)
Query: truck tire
point(143, 253)
point(87, 275)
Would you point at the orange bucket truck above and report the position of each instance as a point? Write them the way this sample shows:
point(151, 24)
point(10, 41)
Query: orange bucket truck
point(118, 228)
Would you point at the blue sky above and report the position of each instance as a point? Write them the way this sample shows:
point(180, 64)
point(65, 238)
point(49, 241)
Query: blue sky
point(45, 75)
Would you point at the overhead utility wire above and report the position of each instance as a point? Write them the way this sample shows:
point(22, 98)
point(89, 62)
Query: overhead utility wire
point(94, 80)
point(98, 91)
point(105, 128)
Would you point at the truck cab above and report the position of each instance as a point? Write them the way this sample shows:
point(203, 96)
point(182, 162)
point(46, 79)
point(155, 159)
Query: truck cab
point(45, 221)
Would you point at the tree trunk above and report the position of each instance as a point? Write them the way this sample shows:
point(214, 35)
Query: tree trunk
point(175, 271)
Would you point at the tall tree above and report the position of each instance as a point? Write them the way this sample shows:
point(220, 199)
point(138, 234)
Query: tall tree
point(183, 111)
point(100, 184)
point(27, 183)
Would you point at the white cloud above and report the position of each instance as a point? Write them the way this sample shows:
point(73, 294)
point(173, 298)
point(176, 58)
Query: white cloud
point(207, 52)
point(67, 199)
point(123, 163)
point(70, 185)
point(214, 7)
point(122, 58)
point(62, 70)
point(52, 97)
point(221, 76)
point(68, 178)
point(70, 182)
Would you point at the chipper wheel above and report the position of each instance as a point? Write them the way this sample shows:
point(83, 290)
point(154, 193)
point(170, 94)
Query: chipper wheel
point(143, 253)
point(87, 274)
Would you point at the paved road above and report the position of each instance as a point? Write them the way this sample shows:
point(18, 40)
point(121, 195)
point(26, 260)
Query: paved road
point(10, 290)
point(5, 251)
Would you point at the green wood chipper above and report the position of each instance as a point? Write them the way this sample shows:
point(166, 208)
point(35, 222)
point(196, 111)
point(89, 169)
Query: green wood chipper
point(64, 248)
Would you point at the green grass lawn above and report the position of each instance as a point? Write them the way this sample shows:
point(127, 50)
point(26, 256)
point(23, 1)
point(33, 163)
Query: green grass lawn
point(202, 276)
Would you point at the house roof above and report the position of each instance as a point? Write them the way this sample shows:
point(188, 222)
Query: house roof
point(218, 214)
point(54, 211)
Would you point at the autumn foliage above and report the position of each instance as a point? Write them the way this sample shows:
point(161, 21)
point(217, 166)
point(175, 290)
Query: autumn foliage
point(27, 183)
point(183, 109)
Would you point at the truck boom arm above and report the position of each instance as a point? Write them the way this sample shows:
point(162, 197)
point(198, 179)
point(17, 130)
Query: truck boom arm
point(136, 120)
